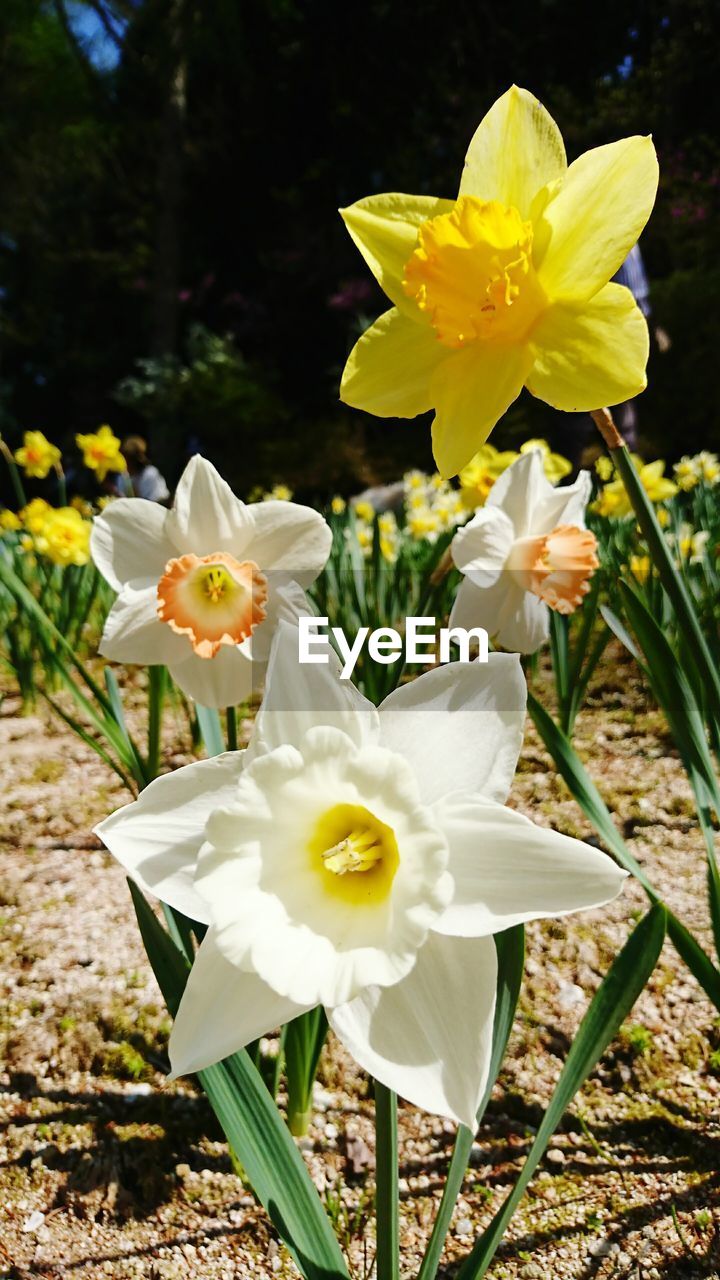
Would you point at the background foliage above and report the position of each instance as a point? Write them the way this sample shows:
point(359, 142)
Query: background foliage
point(171, 259)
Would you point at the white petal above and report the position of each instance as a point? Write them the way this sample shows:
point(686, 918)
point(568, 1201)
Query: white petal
point(514, 618)
point(481, 548)
point(129, 541)
point(157, 838)
point(508, 870)
point(299, 696)
point(460, 726)
point(223, 681)
point(291, 538)
point(565, 505)
point(222, 1010)
point(429, 1037)
point(523, 624)
point(206, 516)
point(520, 489)
point(134, 632)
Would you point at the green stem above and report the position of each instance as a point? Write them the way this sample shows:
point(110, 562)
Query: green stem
point(232, 728)
point(17, 483)
point(157, 683)
point(62, 486)
point(386, 1184)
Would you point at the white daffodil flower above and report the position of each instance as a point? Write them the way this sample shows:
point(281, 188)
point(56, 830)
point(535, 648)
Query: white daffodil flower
point(525, 551)
point(361, 859)
point(201, 587)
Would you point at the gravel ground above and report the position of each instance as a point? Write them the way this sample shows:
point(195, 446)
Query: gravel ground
point(106, 1171)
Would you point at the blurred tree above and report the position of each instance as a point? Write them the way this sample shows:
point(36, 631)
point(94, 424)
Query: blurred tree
point(183, 165)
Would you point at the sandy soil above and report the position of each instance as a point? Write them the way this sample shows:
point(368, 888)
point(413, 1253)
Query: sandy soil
point(105, 1171)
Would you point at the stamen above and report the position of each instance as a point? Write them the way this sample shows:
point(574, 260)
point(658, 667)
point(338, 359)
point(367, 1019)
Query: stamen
point(359, 851)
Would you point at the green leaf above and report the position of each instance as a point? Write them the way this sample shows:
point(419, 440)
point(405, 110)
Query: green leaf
point(611, 1004)
point(672, 581)
point(252, 1125)
point(510, 947)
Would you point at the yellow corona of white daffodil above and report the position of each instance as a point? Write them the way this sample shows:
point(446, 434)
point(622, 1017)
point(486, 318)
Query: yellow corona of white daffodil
point(101, 451)
point(526, 551)
point(37, 456)
point(201, 587)
point(360, 859)
point(507, 286)
point(704, 466)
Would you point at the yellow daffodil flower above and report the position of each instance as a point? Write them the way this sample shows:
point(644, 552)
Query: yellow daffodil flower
point(278, 493)
point(37, 456)
point(101, 452)
point(640, 567)
point(555, 466)
point(604, 467)
point(506, 286)
point(34, 515)
point(9, 521)
point(338, 505)
point(613, 500)
point(689, 472)
point(364, 510)
point(480, 474)
point(65, 537)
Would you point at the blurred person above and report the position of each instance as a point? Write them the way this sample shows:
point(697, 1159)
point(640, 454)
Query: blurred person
point(142, 479)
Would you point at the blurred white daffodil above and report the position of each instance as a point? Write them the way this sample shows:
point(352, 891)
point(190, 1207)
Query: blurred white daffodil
point(360, 859)
point(526, 550)
point(201, 587)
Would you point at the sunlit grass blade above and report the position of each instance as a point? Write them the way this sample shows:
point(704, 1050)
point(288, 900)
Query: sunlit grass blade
point(620, 988)
point(252, 1125)
point(510, 947)
point(584, 791)
point(672, 581)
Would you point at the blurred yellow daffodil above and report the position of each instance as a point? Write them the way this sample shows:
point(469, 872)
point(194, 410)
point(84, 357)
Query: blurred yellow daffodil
point(338, 505)
point(9, 521)
point(613, 500)
point(555, 466)
point(101, 451)
point(65, 537)
point(37, 456)
point(480, 474)
point(507, 285)
point(34, 515)
point(640, 567)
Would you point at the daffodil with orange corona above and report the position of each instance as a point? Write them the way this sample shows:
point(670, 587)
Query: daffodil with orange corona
point(508, 285)
point(526, 551)
point(201, 587)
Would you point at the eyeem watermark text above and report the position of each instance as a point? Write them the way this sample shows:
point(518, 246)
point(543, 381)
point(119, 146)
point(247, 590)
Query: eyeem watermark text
point(420, 644)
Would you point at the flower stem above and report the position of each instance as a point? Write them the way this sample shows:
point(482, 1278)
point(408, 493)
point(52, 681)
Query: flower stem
point(157, 678)
point(231, 724)
point(14, 474)
point(386, 1184)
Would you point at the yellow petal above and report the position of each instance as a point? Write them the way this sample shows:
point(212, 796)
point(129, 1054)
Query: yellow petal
point(385, 229)
point(471, 390)
point(388, 371)
point(591, 223)
point(590, 354)
point(516, 150)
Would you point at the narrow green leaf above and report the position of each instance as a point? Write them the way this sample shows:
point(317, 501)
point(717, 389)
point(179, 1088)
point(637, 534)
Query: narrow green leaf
point(672, 581)
point(510, 947)
point(622, 985)
point(252, 1125)
point(387, 1208)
